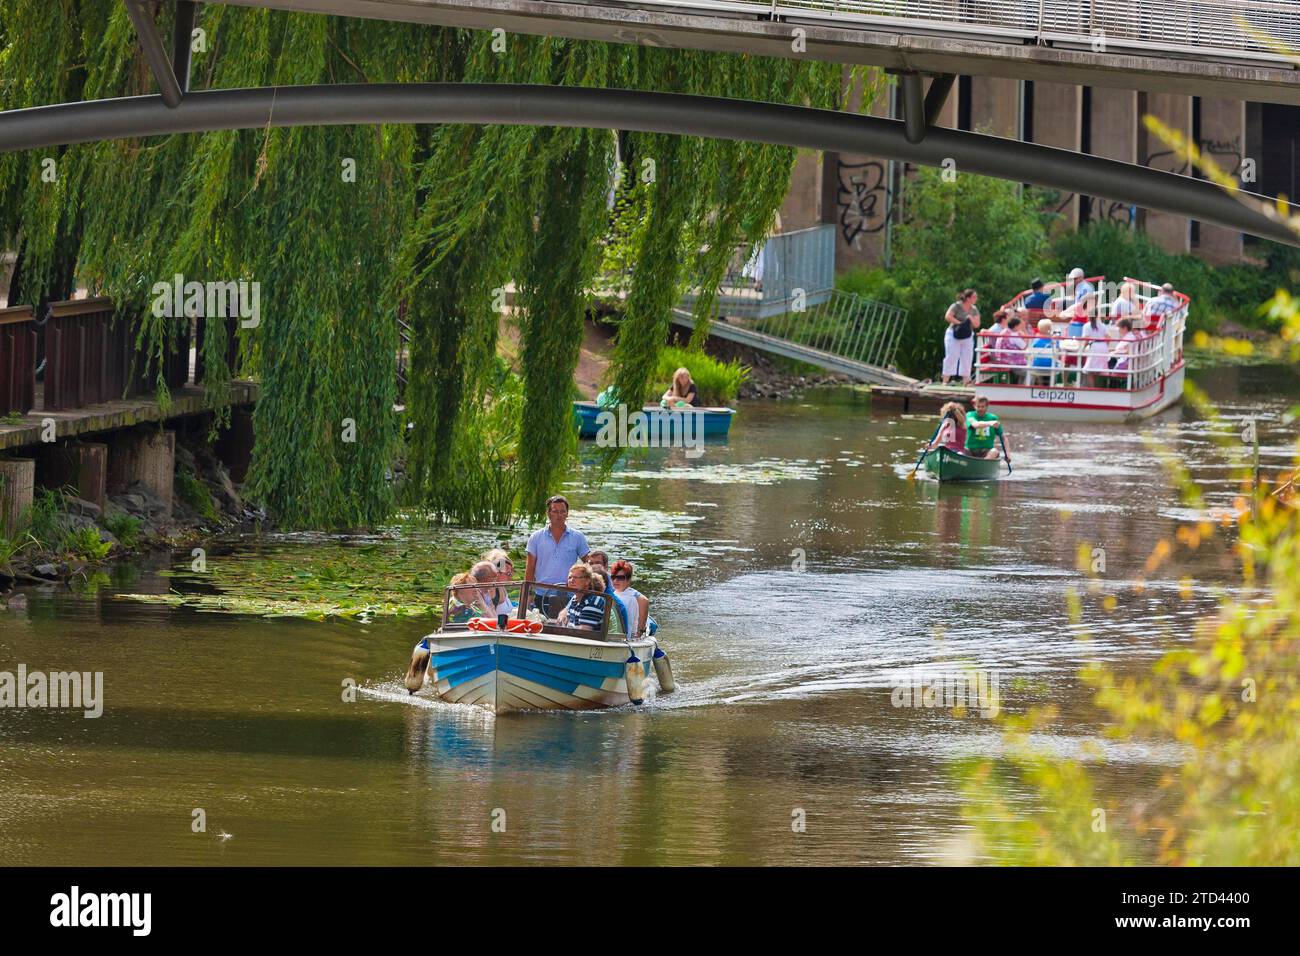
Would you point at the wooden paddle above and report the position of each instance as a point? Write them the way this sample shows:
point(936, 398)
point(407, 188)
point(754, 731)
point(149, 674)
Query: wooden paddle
point(911, 476)
point(1003, 439)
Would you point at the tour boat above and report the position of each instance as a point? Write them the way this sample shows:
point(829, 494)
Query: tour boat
point(946, 464)
point(659, 426)
point(1147, 378)
point(538, 663)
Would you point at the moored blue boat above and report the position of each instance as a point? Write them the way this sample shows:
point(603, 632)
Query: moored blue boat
point(666, 422)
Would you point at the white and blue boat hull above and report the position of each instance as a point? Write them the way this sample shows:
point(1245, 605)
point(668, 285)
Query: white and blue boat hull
point(508, 672)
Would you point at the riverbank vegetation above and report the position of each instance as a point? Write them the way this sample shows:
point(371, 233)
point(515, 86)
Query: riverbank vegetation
point(996, 237)
point(347, 227)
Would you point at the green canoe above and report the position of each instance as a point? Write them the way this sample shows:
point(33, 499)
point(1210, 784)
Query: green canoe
point(948, 465)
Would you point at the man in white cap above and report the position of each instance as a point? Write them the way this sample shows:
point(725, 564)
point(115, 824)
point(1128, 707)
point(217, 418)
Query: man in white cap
point(1081, 286)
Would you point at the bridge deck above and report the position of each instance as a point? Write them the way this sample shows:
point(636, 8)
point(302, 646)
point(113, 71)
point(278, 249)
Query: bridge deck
point(1194, 47)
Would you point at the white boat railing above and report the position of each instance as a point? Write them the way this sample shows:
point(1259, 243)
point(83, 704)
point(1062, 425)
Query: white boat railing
point(1068, 357)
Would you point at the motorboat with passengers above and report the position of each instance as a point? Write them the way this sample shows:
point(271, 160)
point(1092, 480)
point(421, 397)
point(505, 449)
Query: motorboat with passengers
point(518, 646)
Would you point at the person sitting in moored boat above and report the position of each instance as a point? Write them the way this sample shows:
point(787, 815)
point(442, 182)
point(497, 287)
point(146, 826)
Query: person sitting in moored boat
point(584, 611)
point(952, 428)
point(982, 430)
point(682, 393)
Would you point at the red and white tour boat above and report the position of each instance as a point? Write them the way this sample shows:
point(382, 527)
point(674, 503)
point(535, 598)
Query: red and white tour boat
point(1069, 375)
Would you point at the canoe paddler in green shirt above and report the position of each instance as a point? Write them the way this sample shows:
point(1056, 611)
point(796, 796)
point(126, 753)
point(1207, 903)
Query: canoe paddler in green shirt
point(982, 431)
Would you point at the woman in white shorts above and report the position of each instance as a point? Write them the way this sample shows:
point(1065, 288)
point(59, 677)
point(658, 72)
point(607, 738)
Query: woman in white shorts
point(959, 341)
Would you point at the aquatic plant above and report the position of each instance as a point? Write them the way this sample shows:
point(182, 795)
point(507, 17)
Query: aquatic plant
point(345, 228)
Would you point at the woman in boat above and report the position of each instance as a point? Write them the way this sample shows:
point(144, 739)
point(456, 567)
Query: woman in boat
point(584, 611)
point(1123, 352)
point(637, 604)
point(990, 341)
point(1124, 306)
point(682, 392)
point(1095, 350)
point(1014, 343)
point(952, 429)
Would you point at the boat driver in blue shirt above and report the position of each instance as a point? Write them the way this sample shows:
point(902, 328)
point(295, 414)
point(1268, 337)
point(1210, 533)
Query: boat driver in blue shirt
point(552, 551)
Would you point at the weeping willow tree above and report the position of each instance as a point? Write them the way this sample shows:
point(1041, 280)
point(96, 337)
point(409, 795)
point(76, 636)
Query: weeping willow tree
point(343, 227)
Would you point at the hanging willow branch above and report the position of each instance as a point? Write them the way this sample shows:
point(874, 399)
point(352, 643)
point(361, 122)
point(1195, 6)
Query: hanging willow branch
point(438, 220)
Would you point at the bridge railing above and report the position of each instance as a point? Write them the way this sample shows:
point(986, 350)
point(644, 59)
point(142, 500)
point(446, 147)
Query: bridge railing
point(844, 325)
point(91, 356)
point(1250, 29)
point(18, 341)
point(789, 270)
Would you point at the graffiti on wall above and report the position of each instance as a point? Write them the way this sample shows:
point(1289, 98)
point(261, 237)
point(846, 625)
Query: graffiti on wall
point(862, 198)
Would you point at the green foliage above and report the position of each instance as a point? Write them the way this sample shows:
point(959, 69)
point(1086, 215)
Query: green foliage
point(44, 522)
point(435, 221)
point(972, 232)
point(85, 543)
point(124, 527)
point(481, 484)
point(194, 493)
point(717, 381)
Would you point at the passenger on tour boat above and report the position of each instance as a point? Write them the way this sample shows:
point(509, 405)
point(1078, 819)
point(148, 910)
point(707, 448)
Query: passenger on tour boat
point(1076, 281)
point(959, 340)
point(1014, 344)
point(682, 393)
point(1161, 305)
point(637, 604)
point(1043, 352)
point(1124, 305)
point(982, 429)
point(1037, 299)
point(553, 551)
point(584, 611)
point(1094, 351)
point(598, 561)
point(952, 429)
point(990, 338)
point(1123, 350)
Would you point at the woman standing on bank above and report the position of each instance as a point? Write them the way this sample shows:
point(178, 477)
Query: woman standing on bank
point(959, 340)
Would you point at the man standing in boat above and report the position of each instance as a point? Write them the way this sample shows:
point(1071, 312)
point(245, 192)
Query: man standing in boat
point(553, 550)
point(983, 429)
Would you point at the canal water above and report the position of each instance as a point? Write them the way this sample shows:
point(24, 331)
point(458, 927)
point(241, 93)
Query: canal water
point(798, 577)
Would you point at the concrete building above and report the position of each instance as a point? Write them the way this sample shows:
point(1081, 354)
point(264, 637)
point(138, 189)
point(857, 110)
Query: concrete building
point(1257, 143)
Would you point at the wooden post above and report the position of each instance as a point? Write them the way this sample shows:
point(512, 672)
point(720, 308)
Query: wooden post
point(17, 486)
